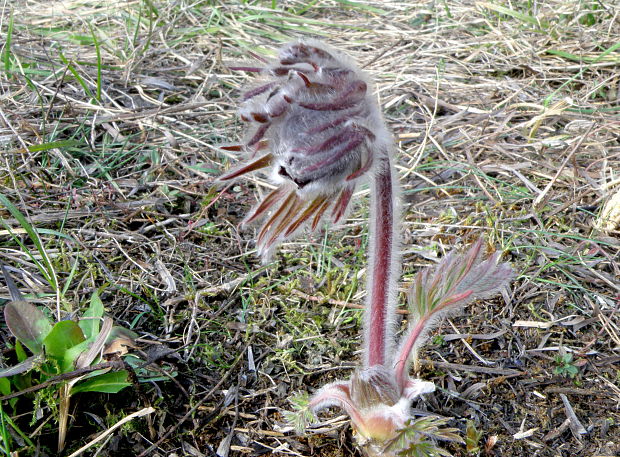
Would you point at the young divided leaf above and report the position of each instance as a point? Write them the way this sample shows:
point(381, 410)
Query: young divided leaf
point(419, 438)
point(302, 415)
point(458, 280)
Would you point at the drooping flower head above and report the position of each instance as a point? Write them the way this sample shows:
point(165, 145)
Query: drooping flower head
point(314, 121)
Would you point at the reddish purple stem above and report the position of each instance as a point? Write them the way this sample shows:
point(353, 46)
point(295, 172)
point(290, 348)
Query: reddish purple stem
point(257, 57)
point(259, 163)
point(346, 134)
point(341, 204)
point(401, 363)
point(282, 71)
point(405, 352)
point(332, 124)
point(381, 265)
point(362, 170)
point(303, 53)
point(274, 197)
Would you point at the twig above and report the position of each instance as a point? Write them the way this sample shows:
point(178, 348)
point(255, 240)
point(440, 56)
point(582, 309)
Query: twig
point(331, 301)
point(542, 198)
point(472, 368)
point(575, 425)
point(114, 365)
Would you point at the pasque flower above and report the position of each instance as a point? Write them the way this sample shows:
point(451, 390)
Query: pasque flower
point(315, 124)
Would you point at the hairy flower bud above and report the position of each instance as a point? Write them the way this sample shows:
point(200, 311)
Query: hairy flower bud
point(314, 112)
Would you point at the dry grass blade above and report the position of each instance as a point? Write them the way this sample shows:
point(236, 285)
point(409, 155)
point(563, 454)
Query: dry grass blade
point(141, 413)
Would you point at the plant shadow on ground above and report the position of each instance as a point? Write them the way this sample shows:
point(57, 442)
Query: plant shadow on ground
point(110, 118)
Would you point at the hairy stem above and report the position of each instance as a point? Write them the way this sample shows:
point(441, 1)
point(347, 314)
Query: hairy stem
point(382, 261)
point(401, 363)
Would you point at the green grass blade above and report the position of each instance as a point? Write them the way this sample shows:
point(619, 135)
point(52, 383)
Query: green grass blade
point(512, 13)
point(69, 279)
point(361, 6)
point(98, 52)
point(46, 268)
point(576, 58)
point(303, 9)
point(5, 437)
point(6, 56)
point(577, 75)
point(76, 75)
point(53, 145)
point(10, 423)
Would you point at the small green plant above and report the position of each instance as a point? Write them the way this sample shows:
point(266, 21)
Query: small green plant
point(5, 437)
point(59, 349)
point(472, 438)
point(565, 365)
